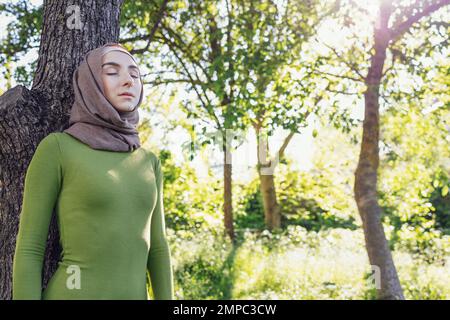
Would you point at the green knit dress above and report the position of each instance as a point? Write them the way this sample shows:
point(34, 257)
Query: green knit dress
point(110, 213)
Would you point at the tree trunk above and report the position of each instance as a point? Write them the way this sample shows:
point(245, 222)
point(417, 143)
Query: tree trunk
point(272, 216)
point(227, 194)
point(365, 186)
point(266, 167)
point(27, 116)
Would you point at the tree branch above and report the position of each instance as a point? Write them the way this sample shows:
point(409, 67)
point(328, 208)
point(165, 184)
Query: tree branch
point(404, 26)
point(167, 81)
point(351, 66)
point(285, 144)
point(338, 76)
point(150, 36)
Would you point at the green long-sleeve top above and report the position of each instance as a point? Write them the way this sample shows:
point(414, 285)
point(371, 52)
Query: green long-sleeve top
point(110, 214)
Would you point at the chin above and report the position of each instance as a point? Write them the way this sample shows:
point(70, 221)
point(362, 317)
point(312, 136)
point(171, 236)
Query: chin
point(124, 108)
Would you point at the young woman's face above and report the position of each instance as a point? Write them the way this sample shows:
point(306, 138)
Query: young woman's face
point(121, 80)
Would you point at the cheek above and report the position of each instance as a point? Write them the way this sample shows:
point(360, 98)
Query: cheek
point(138, 91)
point(108, 85)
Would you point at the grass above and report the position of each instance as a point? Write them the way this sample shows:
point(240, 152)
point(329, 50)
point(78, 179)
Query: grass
point(297, 264)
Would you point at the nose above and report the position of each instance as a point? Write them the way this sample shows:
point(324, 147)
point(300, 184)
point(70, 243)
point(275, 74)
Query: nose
point(129, 80)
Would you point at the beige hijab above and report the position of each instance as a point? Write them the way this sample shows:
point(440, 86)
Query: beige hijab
point(93, 119)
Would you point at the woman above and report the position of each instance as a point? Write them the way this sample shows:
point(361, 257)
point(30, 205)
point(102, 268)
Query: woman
point(107, 192)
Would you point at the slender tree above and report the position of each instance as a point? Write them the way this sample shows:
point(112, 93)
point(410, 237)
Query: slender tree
point(367, 67)
point(196, 44)
point(277, 86)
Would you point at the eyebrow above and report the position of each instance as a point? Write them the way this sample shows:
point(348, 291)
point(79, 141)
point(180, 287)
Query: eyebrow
point(118, 65)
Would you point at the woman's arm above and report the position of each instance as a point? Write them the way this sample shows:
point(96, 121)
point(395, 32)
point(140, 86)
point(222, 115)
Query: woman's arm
point(159, 259)
point(41, 189)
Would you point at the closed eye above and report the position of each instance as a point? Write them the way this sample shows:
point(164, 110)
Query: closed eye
point(133, 76)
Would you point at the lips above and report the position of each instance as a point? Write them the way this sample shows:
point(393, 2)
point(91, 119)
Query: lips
point(128, 94)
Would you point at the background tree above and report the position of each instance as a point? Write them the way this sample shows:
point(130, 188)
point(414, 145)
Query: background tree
point(366, 64)
point(231, 54)
point(196, 45)
point(277, 87)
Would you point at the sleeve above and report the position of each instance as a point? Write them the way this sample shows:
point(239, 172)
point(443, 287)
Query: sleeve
point(159, 263)
point(41, 189)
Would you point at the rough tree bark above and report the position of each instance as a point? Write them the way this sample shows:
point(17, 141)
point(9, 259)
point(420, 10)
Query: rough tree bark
point(27, 116)
point(365, 187)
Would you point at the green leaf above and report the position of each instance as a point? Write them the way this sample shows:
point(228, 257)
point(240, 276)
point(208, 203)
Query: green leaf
point(444, 191)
